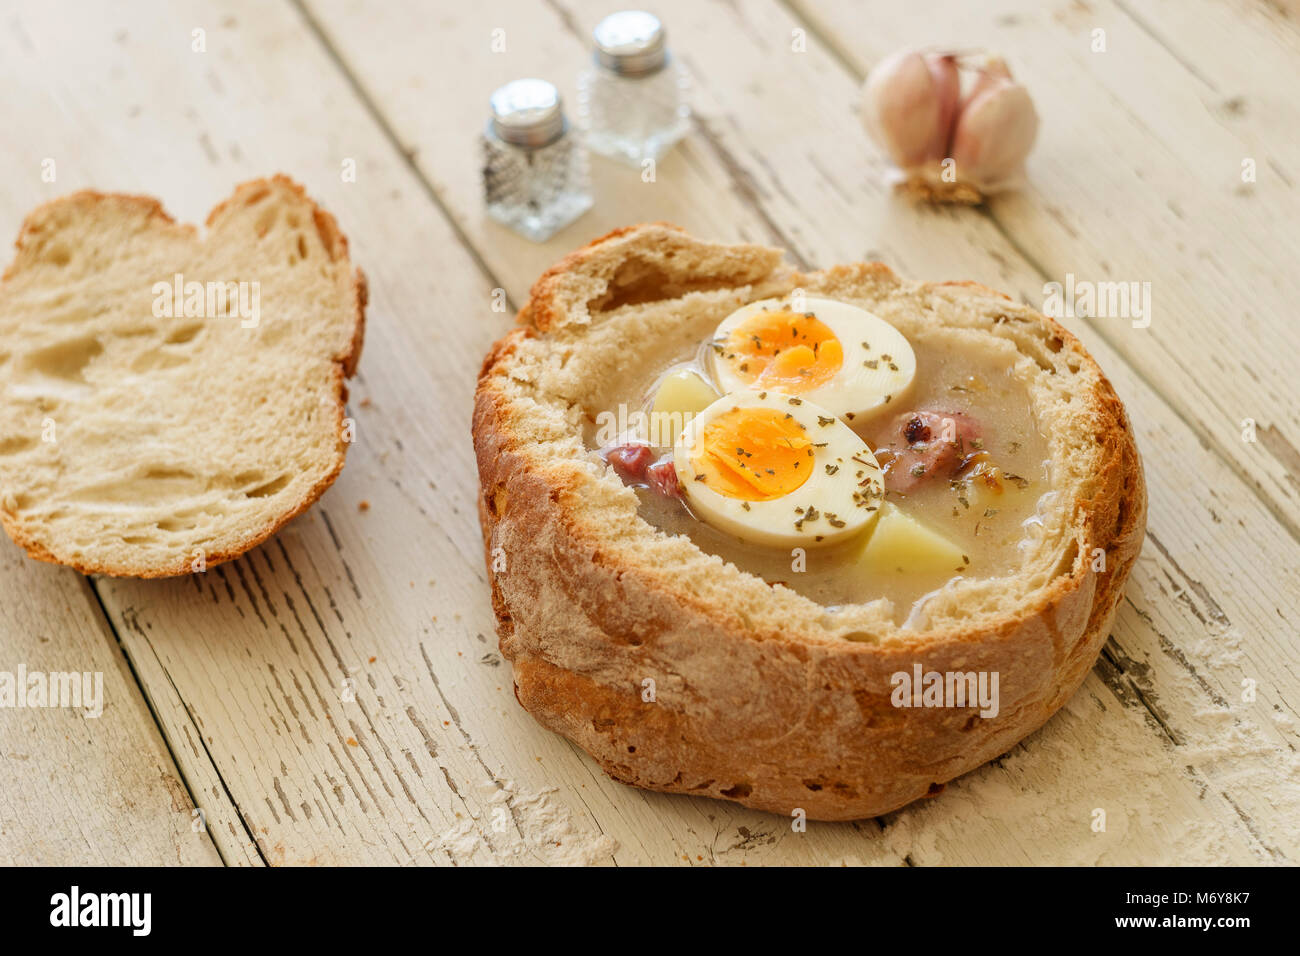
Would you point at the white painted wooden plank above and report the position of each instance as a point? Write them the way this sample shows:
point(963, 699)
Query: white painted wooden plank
point(1244, 57)
point(806, 194)
point(89, 784)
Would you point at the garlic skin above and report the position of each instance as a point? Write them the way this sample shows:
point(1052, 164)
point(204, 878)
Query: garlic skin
point(947, 88)
point(909, 103)
point(991, 69)
point(995, 131)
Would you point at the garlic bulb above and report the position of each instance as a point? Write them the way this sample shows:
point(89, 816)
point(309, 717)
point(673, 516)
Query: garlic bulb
point(914, 108)
point(909, 103)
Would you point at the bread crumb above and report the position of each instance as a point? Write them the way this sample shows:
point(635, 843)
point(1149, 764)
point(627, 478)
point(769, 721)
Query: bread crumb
point(363, 505)
point(352, 742)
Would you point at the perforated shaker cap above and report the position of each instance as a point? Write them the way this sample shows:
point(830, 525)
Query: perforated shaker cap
point(631, 43)
point(527, 112)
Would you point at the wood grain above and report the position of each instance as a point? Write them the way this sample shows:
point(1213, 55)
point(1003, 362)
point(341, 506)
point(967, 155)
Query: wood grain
point(76, 788)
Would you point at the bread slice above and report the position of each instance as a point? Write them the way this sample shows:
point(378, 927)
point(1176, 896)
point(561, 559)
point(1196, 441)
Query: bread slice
point(138, 440)
point(760, 695)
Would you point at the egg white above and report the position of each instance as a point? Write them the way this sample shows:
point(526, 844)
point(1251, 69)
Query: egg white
point(848, 495)
point(879, 364)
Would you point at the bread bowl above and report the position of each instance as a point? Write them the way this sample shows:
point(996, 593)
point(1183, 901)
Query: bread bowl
point(684, 671)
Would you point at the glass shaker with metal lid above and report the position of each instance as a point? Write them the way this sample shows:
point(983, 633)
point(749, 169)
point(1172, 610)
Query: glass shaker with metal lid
point(632, 99)
point(534, 171)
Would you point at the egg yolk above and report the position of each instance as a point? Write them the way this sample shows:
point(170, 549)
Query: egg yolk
point(754, 454)
point(789, 352)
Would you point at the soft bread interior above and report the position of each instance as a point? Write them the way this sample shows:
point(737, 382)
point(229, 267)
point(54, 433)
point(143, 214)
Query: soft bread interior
point(136, 444)
point(592, 335)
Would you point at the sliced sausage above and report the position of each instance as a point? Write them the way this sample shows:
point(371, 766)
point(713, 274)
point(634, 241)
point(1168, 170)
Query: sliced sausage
point(926, 444)
point(662, 477)
point(630, 461)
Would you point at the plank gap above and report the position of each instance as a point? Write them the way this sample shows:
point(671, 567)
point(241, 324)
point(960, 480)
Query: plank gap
point(93, 588)
point(406, 154)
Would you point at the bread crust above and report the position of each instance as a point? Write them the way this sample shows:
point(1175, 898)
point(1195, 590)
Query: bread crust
point(775, 718)
point(352, 283)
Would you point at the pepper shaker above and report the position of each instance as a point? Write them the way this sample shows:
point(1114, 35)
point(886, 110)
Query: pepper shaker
point(632, 99)
point(535, 176)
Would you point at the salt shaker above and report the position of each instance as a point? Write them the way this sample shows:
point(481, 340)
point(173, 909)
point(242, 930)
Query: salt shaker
point(632, 99)
point(535, 176)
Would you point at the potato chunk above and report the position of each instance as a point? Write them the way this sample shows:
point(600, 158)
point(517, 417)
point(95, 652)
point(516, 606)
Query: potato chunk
point(899, 544)
point(681, 396)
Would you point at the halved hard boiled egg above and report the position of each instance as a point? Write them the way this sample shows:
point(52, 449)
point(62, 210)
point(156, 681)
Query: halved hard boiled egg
point(837, 355)
point(777, 470)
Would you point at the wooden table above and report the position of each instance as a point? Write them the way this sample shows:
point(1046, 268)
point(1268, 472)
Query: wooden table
point(336, 695)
